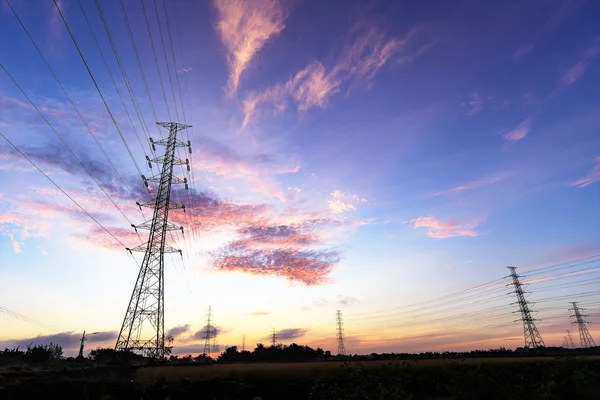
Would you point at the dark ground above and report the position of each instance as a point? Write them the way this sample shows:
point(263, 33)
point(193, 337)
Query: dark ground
point(436, 379)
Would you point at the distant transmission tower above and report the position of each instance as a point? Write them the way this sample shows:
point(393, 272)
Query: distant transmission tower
point(143, 327)
point(570, 341)
point(533, 339)
point(340, 333)
point(274, 337)
point(584, 335)
point(244, 343)
point(208, 332)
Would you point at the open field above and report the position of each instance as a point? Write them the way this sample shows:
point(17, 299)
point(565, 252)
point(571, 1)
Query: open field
point(501, 378)
point(307, 369)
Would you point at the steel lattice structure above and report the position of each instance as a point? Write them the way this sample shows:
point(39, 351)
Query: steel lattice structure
point(143, 327)
point(584, 335)
point(340, 333)
point(533, 339)
point(569, 339)
point(208, 332)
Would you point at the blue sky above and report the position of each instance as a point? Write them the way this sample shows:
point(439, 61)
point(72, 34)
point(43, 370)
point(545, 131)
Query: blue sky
point(379, 154)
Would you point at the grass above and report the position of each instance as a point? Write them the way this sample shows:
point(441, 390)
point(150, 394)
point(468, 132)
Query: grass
point(489, 378)
point(307, 369)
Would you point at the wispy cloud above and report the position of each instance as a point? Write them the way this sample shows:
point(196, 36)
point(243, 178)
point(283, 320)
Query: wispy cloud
point(592, 177)
point(258, 169)
point(179, 330)
point(291, 333)
point(358, 63)
point(489, 180)
point(445, 229)
point(475, 103)
point(245, 27)
point(522, 51)
point(310, 267)
point(259, 313)
point(67, 340)
point(518, 133)
point(347, 300)
point(184, 70)
point(575, 72)
point(340, 202)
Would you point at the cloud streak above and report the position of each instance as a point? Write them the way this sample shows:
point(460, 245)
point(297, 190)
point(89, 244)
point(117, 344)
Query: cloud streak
point(291, 333)
point(490, 180)
point(518, 133)
point(245, 27)
point(358, 63)
point(592, 177)
point(575, 72)
point(445, 229)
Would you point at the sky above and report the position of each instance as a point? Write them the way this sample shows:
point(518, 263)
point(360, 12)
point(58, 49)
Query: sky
point(386, 159)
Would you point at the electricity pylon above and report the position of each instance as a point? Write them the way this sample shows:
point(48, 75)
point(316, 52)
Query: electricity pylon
point(143, 327)
point(274, 338)
point(533, 339)
point(208, 333)
point(244, 343)
point(570, 341)
point(584, 335)
point(340, 333)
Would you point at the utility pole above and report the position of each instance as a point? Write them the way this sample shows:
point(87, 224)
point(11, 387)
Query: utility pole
point(584, 335)
point(83, 339)
point(274, 338)
point(340, 333)
point(244, 343)
point(143, 327)
point(570, 340)
point(208, 332)
point(533, 339)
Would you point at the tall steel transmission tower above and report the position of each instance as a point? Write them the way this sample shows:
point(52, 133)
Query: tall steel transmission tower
point(533, 339)
point(274, 338)
point(143, 327)
point(208, 334)
point(570, 341)
point(340, 333)
point(584, 335)
point(244, 343)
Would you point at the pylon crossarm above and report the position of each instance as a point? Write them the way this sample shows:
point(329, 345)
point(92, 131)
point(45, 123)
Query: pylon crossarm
point(175, 179)
point(148, 225)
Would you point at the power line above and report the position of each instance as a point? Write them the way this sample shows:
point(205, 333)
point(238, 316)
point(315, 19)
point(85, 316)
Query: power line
point(156, 59)
point(162, 40)
point(125, 77)
point(61, 189)
point(68, 96)
point(19, 316)
point(97, 88)
point(63, 141)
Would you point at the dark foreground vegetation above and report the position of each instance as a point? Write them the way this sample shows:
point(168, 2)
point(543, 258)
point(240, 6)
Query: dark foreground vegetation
point(40, 372)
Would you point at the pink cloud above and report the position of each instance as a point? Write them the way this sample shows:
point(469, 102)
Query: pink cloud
point(522, 51)
point(245, 27)
point(490, 180)
point(592, 177)
point(575, 72)
point(520, 132)
point(445, 229)
point(359, 62)
point(257, 169)
point(475, 103)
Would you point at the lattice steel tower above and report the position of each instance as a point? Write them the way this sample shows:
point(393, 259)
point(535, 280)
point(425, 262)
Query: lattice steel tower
point(208, 333)
point(143, 327)
point(569, 340)
point(340, 333)
point(584, 335)
point(533, 339)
